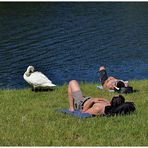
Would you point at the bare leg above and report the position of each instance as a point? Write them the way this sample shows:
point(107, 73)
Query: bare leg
point(101, 68)
point(72, 87)
point(102, 75)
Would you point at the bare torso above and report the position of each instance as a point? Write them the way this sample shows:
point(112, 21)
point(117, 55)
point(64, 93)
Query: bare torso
point(100, 106)
point(110, 83)
point(97, 107)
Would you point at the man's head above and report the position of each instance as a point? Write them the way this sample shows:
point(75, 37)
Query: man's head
point(117, 101)
point(119, 85)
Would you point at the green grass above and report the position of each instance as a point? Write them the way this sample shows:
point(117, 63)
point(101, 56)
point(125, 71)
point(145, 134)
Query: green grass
point(30, 119)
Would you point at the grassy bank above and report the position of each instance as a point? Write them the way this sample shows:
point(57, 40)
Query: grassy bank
point(29, 118)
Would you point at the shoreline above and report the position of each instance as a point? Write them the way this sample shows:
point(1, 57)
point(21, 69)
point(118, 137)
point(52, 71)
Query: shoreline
point(81, 82)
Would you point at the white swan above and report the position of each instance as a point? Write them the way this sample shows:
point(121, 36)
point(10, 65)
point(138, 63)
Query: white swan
point(37, 79)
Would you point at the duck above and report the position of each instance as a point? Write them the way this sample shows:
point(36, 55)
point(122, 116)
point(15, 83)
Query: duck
point(37, 79)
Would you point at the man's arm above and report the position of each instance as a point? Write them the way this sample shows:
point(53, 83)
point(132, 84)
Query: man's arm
point(95, 109)
point(91, 102)
point(88, 105)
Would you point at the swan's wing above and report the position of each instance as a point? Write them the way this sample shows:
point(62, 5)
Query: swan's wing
point(38, 78)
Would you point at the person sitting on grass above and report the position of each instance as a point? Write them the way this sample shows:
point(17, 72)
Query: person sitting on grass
point(110, 83)
point(95, 106)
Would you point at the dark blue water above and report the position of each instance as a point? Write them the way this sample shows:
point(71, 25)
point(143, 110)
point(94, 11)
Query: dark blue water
point(71, 40)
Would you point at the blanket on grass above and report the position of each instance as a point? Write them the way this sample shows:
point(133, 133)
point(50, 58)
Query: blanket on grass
point(76, 113)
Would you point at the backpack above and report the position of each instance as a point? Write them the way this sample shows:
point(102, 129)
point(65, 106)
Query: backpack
point(125, 90)
point(123, 109)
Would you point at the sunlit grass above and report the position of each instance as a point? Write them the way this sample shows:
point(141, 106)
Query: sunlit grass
point(30, 119)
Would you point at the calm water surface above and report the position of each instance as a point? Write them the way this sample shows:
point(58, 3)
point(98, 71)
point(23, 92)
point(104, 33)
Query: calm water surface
point(71, 40)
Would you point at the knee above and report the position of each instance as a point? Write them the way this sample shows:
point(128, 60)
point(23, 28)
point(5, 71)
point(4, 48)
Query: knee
point(101, 68)
point(72, 82)
point(74, 85)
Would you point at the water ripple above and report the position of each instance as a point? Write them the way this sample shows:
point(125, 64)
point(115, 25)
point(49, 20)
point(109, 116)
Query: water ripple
point(66, 42)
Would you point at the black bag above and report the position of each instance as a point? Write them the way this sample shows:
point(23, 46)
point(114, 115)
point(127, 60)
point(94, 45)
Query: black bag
point(125, 90)
point(123, 109)
point(117, 101)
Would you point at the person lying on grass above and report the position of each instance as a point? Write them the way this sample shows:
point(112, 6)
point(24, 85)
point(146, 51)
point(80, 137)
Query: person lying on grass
point(95, 106)
point(111, 83)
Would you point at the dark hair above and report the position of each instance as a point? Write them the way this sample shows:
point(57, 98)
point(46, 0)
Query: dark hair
point(117, 101)
point(120, 84)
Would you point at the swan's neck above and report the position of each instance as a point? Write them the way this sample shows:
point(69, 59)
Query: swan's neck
point(27, 73)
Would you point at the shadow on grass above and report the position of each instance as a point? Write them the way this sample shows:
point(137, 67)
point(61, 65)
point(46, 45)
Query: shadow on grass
point(136, 91)
point(42, 90)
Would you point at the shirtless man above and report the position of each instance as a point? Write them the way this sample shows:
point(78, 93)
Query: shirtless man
point(110, 82)
point(89, 105)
